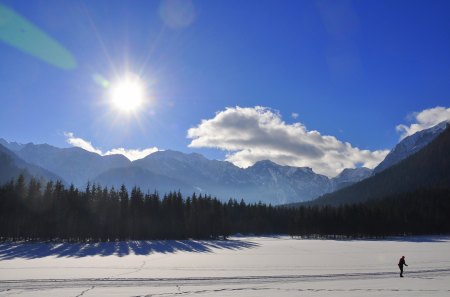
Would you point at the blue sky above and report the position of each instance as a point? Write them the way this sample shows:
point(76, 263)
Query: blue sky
point(353, 70)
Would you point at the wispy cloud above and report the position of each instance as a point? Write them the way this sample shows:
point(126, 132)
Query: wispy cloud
point(131, 154)
point(259, 133)
point(79, 142)
point(424, 119)
point(294, 115)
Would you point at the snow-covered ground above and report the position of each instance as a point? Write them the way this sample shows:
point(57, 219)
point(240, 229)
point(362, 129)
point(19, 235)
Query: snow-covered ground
point(242, 266)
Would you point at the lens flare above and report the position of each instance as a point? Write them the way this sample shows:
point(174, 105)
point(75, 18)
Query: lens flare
point(20, 33)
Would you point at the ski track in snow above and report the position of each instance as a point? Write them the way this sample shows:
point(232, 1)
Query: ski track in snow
point(85, 291)
point(288, 290)
point(130, 272)
point(91, 283)
point(115, 276)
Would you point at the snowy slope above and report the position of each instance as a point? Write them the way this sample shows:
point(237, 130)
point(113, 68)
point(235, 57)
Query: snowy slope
point(350, 176)
point(270, 266)
point(411, 145)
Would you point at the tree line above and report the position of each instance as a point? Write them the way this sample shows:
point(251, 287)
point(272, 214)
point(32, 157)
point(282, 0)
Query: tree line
point(36, 212)
point(421, 212)
point(51, 211)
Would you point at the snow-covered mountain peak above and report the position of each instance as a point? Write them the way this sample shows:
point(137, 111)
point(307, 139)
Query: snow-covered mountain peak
point(13, 146)
point(410, 145)
point(264, 164)
point(353, 174)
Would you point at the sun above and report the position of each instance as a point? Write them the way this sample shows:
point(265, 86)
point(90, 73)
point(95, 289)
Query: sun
point(128, 94)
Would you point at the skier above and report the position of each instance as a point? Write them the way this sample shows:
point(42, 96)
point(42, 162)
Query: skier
point(400, 265)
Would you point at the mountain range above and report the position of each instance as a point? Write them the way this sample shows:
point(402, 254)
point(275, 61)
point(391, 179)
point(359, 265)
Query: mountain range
point(165, 171)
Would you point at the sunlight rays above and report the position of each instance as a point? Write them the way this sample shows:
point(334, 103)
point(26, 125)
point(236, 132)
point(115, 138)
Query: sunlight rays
point(128, 95)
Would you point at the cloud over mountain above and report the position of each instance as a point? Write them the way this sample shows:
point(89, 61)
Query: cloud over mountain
point(424, 119)
point(131, 154)
point(258, 133)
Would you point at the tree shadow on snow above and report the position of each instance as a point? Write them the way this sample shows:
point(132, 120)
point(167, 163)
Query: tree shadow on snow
point(32, 250)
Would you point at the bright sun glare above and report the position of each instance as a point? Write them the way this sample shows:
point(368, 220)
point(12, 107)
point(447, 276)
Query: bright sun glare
point(128, 94)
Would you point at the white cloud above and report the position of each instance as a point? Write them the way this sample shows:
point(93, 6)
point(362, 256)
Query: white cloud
point(424, 119)
point(294, 115)
point(79, 142)
point(259, 133)
point(131, 154)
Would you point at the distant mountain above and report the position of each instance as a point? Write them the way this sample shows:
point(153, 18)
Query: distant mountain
point(171, 171)
point(350, 176)
point(12, 146)
point(264, 181)
point(213, 177)
point(192, 168)
point(283, 184)
point(410, 145)
point(11, 166)
point(137, 176)
point(427, 168)
point(74, 164)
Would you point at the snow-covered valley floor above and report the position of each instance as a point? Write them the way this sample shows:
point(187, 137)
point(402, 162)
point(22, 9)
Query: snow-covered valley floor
point(243, 266)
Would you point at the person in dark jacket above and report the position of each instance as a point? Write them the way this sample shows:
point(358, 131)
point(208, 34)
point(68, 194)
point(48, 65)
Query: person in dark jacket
point(400, 265)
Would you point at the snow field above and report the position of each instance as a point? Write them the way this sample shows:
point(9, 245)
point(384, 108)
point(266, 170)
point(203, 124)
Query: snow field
point(244, 266)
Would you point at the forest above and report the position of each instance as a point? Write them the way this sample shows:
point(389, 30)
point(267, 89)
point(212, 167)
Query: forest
point(32, 210)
